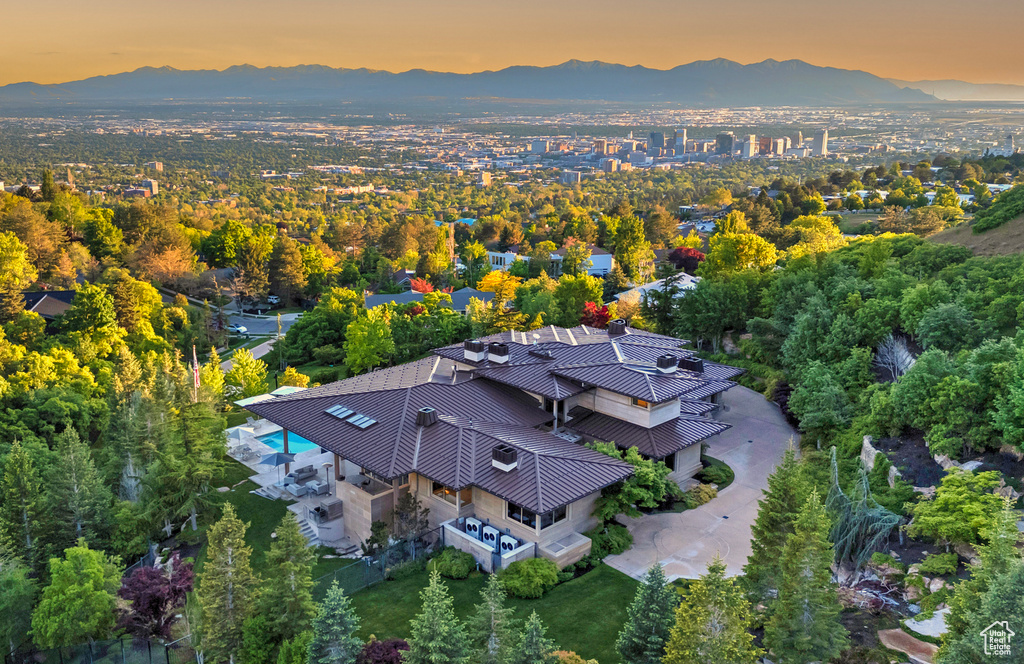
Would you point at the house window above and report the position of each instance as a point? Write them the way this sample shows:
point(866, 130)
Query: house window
point(529, 519)
point(640, 402)
point(403, 480)
point(448, 494)
point(554, 516)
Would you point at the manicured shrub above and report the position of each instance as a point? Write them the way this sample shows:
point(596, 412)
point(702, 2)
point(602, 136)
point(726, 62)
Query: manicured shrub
point(939, 564)
point(453, 563)
point(703, 493)
point(405, 570)
point(717, 473)
point(530, 578)
point(609, 539)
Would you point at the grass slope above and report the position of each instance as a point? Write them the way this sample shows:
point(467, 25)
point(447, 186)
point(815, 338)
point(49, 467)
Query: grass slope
point(584, 615)
point(1000, 241)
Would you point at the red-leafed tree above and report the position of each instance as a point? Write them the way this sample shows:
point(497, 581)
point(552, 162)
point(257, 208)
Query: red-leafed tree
point(416, 310)
point(446, 289)
point(382, 652)
point(685, 258)
point(421, 285)
point(594, 316)
point(155, 595)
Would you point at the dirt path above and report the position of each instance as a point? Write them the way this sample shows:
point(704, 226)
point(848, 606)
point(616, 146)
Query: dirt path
point(918, 651)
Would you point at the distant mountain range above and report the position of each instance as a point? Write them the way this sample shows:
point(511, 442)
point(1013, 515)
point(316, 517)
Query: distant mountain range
point(949, 90)
point(704, 83)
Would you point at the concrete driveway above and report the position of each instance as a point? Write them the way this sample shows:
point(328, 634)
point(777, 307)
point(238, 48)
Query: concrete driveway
point(686, 542)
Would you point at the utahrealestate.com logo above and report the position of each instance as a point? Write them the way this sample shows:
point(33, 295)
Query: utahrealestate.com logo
point(997, 638)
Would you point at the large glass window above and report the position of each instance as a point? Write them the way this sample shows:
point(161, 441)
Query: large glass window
point(529, 519)
point(448, 494)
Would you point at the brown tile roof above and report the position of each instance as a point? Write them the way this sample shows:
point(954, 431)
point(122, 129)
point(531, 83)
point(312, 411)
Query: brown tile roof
point(474, 417)
point(656, 442)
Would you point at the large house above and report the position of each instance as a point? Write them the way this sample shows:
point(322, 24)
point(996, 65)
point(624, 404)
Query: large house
point(601, 262)
point(489, 434)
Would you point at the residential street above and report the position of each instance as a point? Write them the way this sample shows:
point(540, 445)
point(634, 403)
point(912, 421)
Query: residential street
point(686, 542)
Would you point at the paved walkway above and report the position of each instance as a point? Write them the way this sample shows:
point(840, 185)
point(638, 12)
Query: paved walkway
point(686, 542)
point(257, 352)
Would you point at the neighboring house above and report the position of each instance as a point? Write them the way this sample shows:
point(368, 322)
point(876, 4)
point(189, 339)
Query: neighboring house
point(684, 282)
point(48, 304)
point(601, 261)
point(488, 434)
point(460, 298)
point(404, 278)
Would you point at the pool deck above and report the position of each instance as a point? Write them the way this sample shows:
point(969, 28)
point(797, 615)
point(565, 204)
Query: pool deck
point(269, 477)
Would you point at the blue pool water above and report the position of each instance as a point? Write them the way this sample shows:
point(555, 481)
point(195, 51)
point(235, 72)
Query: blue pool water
point(296, 443)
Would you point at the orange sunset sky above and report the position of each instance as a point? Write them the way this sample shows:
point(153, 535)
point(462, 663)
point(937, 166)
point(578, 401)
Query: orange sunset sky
point(63, 40)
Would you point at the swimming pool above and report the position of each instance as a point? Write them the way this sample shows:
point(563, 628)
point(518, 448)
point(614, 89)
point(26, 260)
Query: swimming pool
point(296, 443)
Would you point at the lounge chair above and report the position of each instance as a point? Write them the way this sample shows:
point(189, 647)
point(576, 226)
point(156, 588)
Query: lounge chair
point(297, 490)
point(317, 488)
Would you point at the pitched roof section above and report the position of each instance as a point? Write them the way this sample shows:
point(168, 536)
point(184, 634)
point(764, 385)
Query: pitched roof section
point(474, 417)
point(657, 442)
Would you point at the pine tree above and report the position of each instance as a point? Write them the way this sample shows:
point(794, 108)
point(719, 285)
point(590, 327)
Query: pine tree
point(711, 622)
point(228, 588)
point(17, 597)
point(776, 515)
point(996, 557)
point(12, 303)
point(492, 627)
point(437, 635)
point(77, 493)
point(804, 625)
point(334, 629)
point(649, 620)
point(47, 187)
point(533, 646)
point(287, 595)
point(1001, 601)
point(21, 507)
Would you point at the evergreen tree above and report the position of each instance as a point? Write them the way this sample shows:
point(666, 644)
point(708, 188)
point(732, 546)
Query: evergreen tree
point(996, 557)
point(17, 597)
point(47, 187)
point(437, 635)
point(533, 646)
point(492, 628)
point(12, 303)
point(334, 629)
point(711, 623)
point(21, 507)
point(79, 604)
point(211, 380)
point(776, 516)
point(77, 493)
point(228, 588)
point(287, 277)
point(287, 595)
point(1001, 601)
point(648, 621)
point(804, 625)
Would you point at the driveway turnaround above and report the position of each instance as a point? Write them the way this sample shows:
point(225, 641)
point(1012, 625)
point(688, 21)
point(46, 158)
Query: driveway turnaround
point(686, 542)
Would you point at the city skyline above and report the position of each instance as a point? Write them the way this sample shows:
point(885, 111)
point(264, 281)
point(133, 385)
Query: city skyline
point(113, 36)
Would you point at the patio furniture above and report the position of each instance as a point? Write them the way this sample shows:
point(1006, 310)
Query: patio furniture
point(317, 488)
point(300, 475)
point(328, 510)
point(297, 490)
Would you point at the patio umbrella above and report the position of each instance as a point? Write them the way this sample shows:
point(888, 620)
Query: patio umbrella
point(277, 459)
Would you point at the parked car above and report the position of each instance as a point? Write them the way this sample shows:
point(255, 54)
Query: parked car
point(234, 328)
point(273, 299)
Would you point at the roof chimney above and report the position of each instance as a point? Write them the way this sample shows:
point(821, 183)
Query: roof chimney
point(667, 364)
point(497, 353)
point(616, 327)
point(694, 364)
point(474, 351)
point(426, 416)
point(505, 458)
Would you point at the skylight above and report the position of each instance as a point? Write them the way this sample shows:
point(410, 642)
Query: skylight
point(339, 411)
point(361, 421)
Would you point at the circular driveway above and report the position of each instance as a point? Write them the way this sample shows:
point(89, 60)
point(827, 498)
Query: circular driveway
point(686, 542)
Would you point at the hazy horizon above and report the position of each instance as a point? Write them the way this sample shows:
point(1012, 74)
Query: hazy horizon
point(901, 41)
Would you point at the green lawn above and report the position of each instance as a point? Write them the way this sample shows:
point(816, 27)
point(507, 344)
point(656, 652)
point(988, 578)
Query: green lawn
point(584, 615)
point(262, 515)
